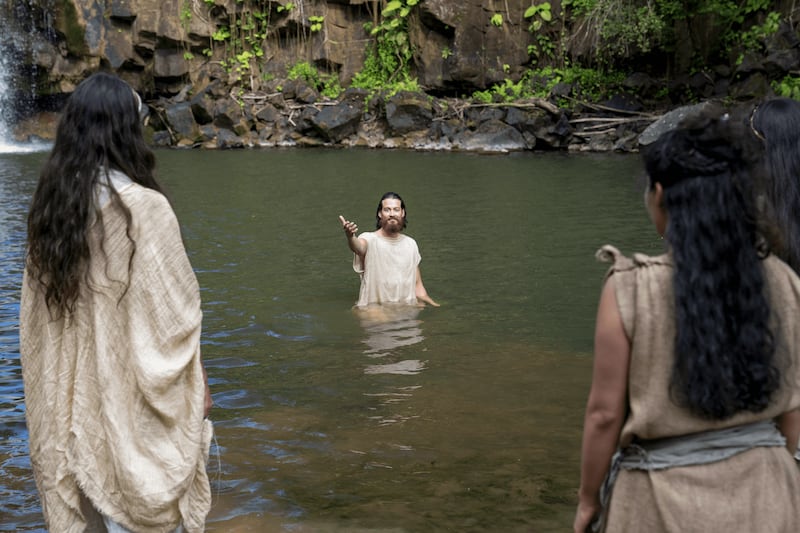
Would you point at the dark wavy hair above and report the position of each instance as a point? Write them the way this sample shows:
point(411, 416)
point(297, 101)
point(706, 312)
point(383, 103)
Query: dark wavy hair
point(99, 130)
point(776, 122)
point(390, 196)
point(724, 348)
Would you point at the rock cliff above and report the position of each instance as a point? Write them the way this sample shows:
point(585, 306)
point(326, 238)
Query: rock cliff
point(160, 45)
point(218, 73)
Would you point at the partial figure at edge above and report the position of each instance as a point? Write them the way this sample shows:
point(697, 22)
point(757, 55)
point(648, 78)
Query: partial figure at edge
point(776, 123)
point(693, 411)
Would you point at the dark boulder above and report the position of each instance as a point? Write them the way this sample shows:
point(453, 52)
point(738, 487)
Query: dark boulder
point(491, 136)
point(181, 120)
point(339, 121)
point(407, 112)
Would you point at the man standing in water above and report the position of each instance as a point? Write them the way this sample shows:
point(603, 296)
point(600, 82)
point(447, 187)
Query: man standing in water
point(387, 260)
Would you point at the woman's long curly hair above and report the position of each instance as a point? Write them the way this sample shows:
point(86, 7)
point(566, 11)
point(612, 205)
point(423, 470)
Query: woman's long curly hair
point(724, 348)
point(99, 130)
point(776, 122)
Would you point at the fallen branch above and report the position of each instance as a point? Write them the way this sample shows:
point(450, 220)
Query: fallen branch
point(599, 107)
point(536, 102)
point(592, 133)
point(609, 120)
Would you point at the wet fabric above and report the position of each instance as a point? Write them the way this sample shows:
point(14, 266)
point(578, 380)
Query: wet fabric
point(389, 270)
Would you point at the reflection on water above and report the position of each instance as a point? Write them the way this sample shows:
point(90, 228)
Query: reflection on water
point(390, 330)
point(465, 417)
point(19, 508)
point(389, 327)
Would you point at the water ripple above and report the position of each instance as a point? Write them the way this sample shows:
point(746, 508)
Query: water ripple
point(19, 504)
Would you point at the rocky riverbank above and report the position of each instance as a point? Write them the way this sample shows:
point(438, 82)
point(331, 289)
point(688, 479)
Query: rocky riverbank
point(297, 116)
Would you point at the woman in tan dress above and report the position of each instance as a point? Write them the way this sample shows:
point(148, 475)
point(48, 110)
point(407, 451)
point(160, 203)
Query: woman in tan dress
point(696, 382)
point(115, 391)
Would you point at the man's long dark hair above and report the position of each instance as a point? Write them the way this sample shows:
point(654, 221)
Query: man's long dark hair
point(99, 130)
point(724, 349)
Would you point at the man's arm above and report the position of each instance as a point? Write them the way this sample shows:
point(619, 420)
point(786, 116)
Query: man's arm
point(421, 293)
point(357, 245)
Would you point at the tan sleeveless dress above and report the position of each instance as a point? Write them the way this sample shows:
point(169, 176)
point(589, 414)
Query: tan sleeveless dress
point(755, 491)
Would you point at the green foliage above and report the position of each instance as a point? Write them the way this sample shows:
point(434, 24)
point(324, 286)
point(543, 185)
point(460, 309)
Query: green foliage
point(579, 7)
point(316, 23)
point(630, 31)
point(388, 58)
point(788, 87)
point(240, 34)
point(591, 84)
point(243, 60)
point(446, 52)
point(588, 84)
point(306, 71)
point(186, 14)
point(288, 6)
point(222, 34)
point(544, 48)
point(508, 90)
point(327, 85)
point(753, 39)
point(616, 30)
point(483, 97)
point(538, 14)
point(186, 18)
point(732, 11)
point(496, 20)
point(331, 87)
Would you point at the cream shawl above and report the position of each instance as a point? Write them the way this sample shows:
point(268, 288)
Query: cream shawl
point(114, 391)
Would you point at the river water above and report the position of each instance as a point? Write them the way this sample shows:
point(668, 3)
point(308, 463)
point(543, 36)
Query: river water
point(462, 418)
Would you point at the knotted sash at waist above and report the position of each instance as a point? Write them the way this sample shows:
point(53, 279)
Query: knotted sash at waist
point(686, 450)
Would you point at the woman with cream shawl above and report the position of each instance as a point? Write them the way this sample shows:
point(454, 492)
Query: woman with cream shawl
point(115, 391)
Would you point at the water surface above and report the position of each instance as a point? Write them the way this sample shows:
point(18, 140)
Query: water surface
point(462, 418)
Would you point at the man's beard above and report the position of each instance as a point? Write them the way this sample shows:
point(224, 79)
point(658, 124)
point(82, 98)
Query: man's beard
point(392, 228)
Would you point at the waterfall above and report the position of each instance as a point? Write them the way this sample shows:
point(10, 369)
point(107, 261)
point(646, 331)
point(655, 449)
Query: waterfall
point(6, 105)
point(17, 90)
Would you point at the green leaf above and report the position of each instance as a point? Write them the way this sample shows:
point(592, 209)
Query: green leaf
point(394, 5)
point(531, 11)
point(546, 16)
point(405, 11)
point(412, 3)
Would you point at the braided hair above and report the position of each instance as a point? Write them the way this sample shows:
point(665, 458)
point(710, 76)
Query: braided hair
point(724, 349)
